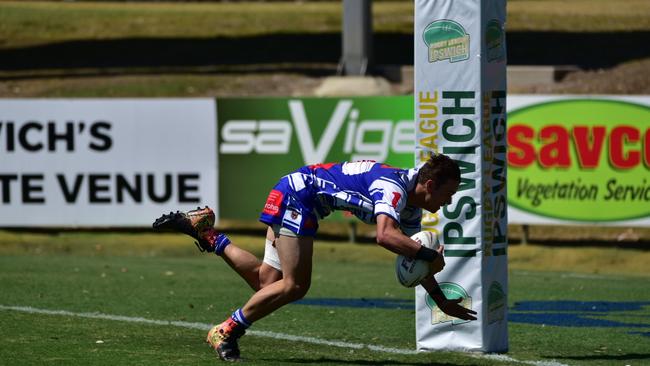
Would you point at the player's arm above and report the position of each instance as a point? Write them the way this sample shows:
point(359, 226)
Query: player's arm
point(391, 237)
point(449, 307)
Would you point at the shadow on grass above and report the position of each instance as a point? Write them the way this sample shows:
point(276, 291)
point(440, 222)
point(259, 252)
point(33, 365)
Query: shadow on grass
point(587, 50)
point(340, 236)
point(623, 357)
point(594, 243)
point(334, 361)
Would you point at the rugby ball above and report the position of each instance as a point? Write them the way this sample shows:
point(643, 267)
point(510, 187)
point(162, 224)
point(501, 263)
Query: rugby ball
point(411, 271)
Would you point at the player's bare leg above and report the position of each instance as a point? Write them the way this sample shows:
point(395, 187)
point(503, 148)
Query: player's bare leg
point(255, 272)
point(259, 275)
point(199, 224)
point(295, 255)
point(296, 261)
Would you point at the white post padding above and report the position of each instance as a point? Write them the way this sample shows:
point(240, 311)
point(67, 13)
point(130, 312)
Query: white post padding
point(460, 111)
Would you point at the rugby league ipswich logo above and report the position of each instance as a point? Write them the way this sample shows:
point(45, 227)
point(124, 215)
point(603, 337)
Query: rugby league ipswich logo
point(446, 40)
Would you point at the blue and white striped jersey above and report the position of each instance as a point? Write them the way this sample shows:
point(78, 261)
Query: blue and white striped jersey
point(364, 188)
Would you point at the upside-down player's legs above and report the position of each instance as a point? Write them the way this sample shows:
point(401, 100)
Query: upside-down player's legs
point(295, 254)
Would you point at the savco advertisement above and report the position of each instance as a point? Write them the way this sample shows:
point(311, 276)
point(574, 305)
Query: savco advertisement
point(578, 160)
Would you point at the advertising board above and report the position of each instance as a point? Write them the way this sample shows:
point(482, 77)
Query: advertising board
point(104, 162)
point(579, 160)
point(260, 140)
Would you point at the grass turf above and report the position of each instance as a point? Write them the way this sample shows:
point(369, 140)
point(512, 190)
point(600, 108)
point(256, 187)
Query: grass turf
point(159, 49)
point(163, 277)
point(27, 23)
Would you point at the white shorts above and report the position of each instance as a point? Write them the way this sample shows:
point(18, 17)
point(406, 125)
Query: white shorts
point(270, 252)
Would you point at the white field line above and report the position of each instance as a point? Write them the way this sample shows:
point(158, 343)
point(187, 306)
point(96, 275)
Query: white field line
point(258, 333)
point(504, 358)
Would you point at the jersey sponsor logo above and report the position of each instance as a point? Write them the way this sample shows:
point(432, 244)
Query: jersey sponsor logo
point(273, 202)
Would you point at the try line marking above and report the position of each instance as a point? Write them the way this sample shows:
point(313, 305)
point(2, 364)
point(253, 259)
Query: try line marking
point(258, 333)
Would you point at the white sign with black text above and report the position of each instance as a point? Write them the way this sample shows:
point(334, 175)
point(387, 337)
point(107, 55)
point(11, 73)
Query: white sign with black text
point(104, 162)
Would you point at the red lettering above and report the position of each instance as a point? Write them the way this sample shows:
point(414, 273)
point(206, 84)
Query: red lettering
point(627, 146)
point(618, 139)
point(521, 152)
point(589, 144)
point(555, 147)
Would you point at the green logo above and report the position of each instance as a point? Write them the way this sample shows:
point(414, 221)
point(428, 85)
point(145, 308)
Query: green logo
point(496, 303)
point(580, 159)
point(446, 40)
point(495, 41)
point(452, 291)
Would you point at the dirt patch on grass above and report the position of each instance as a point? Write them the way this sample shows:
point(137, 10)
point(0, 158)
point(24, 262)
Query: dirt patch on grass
point(172, 85)
point(631, 77)
point(579, 260)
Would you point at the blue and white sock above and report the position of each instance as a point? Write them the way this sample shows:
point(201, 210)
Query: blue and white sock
point(238, 316)
point(220, 244)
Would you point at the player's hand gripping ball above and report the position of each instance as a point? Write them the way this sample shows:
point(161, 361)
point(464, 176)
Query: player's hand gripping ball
point(411, 271)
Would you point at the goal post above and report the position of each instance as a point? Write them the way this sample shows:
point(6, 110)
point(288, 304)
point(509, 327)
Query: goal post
point(460, 110)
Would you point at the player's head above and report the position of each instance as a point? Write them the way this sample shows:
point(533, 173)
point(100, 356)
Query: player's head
point(438, 180)
point(440, 169)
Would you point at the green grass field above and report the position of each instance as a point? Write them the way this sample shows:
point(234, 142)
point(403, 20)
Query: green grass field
point(576, 316)
point(189, 49)
point(25, 23)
